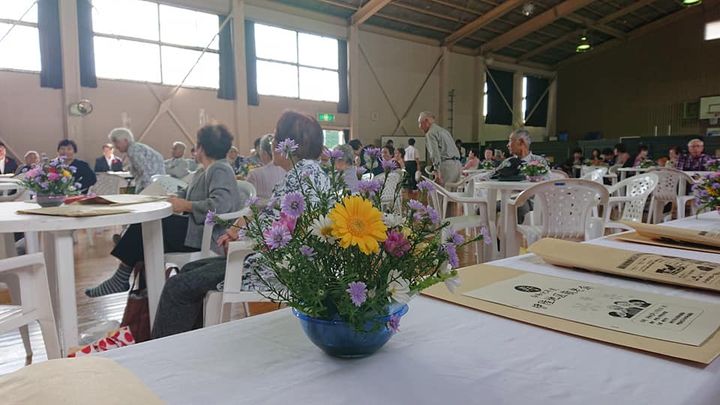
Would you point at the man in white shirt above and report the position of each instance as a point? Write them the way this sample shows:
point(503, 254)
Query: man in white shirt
point(412, 162)
point(177, 165)
point(441, 148)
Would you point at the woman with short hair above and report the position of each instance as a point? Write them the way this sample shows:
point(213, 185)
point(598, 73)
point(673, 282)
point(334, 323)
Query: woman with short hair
point(181, 302)
point(213, 188)
point(83, 173)
point(346, 165)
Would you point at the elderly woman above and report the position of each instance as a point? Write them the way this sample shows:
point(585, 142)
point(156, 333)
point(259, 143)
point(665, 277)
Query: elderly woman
point(145, 161)
point(31, 158)
point(213, 188)
point(83, 173)
point(346, 165)
point(265, 177)
point(181, 303)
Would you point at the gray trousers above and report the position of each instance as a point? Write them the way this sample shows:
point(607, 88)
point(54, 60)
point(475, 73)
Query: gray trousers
point(450, 171)
point(181, 303)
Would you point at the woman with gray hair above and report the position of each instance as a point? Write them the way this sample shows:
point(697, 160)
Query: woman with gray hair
point(346, 164)
point(265, 177)
point(145, 161)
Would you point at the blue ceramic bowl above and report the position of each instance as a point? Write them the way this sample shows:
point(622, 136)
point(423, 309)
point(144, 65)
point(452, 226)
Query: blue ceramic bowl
point(340, 339)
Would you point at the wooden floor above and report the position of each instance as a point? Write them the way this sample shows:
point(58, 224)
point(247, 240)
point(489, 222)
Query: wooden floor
point(93, 265)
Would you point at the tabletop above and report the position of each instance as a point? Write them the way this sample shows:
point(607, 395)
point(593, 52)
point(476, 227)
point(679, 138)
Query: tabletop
point(124, 175)
point(11, 221)
point(443, 354)
point(503, 185)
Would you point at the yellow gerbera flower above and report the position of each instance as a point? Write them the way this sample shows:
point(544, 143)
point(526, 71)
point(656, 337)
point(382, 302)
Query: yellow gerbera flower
point(356, 222)
point(66, 173)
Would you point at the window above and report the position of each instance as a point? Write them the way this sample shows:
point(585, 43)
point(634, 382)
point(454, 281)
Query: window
point(151, 42)
point(712, 30)
point(333, 138)
point(19, 38)
point(295, 64)
point(524, 97)
point(485, 99)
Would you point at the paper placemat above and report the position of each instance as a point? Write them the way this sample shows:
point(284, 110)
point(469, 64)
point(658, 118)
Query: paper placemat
point(635, 237)
point(645, 266)
point(671, 234)
point(115, 199)
point(86, 380)
point(482, 275)
point(74, 211)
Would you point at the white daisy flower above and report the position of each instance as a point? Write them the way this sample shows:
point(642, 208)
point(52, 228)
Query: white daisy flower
point(398, 288)
point(392, 220)
point(322, 228)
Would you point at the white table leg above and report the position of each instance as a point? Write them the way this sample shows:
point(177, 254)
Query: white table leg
point(491, 196)
point(61, 277)
point(154, 263)
point(509, 245)
point(32, 242)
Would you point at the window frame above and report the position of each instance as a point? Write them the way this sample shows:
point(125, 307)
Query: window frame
point(707, 27)
point(160, 45)
point(297, 65)
point(13, 24)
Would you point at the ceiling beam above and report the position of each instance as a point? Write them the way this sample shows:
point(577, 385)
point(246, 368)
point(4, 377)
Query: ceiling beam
point(638, 32)
point(546, 18)
point(592, 24)
point(481, 21)
point(552, 44)
point(367, 11)
point(625, 10)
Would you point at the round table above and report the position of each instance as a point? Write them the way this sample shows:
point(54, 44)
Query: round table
point(58, 250)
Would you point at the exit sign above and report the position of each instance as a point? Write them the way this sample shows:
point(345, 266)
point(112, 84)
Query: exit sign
point(326, 117)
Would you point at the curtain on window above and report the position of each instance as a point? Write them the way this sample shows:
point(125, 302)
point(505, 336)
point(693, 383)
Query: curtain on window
point(251, 63)
point(500, 97)
point(343, 102)
point(85, 42)
point(536, 101)
point(51, 73)
point(227, 87)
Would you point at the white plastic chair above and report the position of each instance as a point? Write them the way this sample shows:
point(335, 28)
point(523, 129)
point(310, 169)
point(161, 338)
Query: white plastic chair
point(557, 175)
point(565, 209)
point(180, 259)
point(216, 301)
point(246, 187)
point(473, 219)
point(630, 197)
point(595, 175)
point(170, 184)
point(107, 184)
point(11, 191)
point(684, 198)
point(588, 169)
point(665, 192)
point(35, 304)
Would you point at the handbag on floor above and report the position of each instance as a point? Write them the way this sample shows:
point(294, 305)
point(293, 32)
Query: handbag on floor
point(137, 312)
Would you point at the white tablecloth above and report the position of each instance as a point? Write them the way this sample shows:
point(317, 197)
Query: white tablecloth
point(444, 354)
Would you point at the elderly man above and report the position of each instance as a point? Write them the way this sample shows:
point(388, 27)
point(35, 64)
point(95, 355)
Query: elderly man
point(145, 161)
point(444, 155)
point(177, 165)
point(695, 159)
point(519, 147)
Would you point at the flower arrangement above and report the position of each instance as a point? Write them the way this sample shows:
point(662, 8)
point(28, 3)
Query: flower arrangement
point(714, 166)
point(52, 177)
point(707, 192)
point(647, 163)
point(244, 169)
point(487, 165)
point(534, 170)
point(335, 255)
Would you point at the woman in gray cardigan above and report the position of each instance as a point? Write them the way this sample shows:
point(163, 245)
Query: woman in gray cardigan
point(213, 188)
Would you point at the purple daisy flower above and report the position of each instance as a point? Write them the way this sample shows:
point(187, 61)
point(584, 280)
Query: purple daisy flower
point(277, 236)
point(72, 169)
point(374, 153)
point(361, 170)
point(486, 235)
point(415, 205)
point(456, 238)
point(433, 215)
point(252, 201)
point(333, 154)
point(287, 147)
point(210, 218)
point(453, 258)
point(358, 292)
point(307, 251)
point(389, 165)
point(293, 204)
point(394, 324)
point(367, 187)
point(425, 185)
